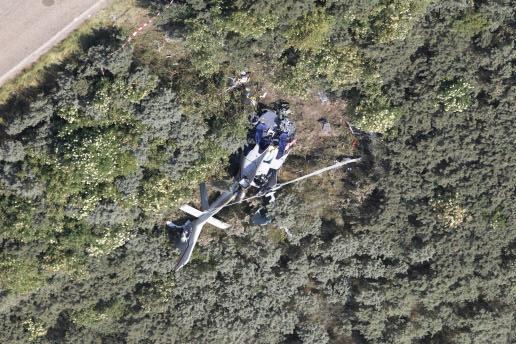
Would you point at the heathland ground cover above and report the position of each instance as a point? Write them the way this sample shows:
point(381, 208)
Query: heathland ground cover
point(416, 244)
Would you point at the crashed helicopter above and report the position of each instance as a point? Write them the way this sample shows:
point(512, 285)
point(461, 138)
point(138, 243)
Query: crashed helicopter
point(272, 137)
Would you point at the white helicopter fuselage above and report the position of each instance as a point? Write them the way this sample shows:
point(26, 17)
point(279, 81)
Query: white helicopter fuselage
point(257, 164)
point(258, 169)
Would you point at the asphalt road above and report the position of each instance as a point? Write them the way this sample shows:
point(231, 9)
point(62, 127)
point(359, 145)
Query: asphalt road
point(29, 28)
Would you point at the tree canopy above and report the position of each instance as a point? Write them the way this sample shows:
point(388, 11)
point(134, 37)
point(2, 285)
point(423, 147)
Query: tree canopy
point(415, 244)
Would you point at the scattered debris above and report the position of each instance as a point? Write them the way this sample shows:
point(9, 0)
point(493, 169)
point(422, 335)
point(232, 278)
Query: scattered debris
point(269, 145)
point(325, 125)
point(273, 135)
point(260, 217)
point(323, 97)
point(241, 80)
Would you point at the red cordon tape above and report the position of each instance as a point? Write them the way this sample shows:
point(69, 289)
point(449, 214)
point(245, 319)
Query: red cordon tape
point(141, 28)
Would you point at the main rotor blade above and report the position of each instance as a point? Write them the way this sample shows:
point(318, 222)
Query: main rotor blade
point(316, 173)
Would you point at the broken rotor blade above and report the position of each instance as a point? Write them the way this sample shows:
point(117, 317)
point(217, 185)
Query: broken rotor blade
point(315, 173)
point(279, 186)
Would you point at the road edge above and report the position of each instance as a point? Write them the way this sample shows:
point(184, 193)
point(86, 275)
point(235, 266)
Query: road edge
point(57, 38)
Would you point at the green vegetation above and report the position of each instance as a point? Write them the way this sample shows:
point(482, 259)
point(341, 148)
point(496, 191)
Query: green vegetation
point(414, 245)
point(95, 316)
point(34, 329)
point(19, 274)
point(122, 13)
point(455, 96)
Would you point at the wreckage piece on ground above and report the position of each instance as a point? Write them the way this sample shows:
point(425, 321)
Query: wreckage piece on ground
point(272, 138)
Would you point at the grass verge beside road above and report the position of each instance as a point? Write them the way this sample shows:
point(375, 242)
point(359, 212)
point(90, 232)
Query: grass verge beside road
point(124, 14)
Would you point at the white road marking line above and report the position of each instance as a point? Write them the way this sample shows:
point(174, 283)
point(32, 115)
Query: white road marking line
point(33, 57)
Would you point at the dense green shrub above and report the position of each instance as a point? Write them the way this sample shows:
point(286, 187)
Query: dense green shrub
point(414, 245)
